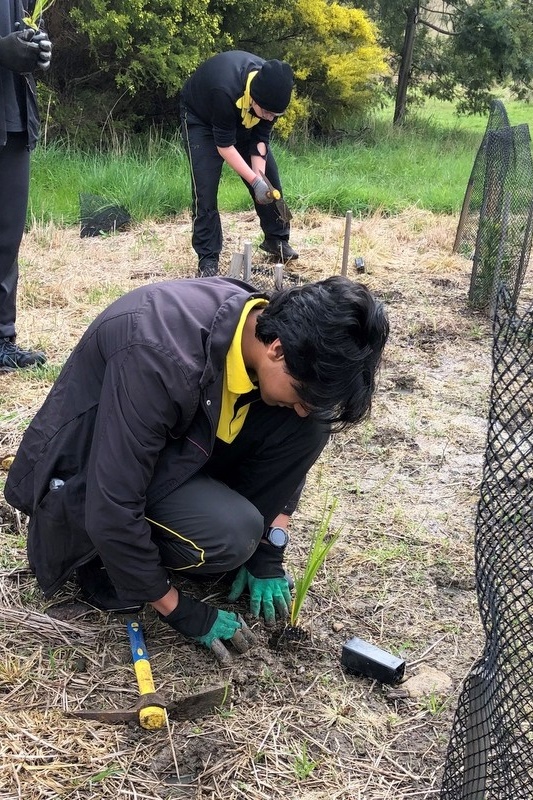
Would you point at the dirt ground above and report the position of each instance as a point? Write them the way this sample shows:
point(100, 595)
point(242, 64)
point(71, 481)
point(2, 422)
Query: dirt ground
point(400, 576)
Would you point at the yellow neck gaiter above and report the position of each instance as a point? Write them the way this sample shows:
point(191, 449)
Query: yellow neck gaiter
point(245, 104)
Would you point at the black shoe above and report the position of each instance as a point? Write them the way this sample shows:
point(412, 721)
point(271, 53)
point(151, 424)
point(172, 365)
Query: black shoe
point(97, 589)
point(280, 249)
point(207, 267)
point(14, 357)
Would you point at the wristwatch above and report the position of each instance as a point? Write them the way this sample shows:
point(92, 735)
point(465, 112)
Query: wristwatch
point(277, 537)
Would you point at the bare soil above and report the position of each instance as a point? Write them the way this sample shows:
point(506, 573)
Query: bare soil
point(401, 575)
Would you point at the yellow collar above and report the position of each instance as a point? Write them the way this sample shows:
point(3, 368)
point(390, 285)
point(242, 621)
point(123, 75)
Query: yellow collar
point(236, 380)
point(245, 104)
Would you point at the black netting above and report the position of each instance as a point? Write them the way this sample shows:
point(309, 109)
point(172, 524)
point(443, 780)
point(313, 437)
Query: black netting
point(98, 215)
point(465, 240)
point(503, 243)
point(266, 279)
point(496, 223)
point(490, 755)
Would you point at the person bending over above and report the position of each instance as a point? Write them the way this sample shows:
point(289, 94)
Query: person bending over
point(178, 435)
point(228, 107)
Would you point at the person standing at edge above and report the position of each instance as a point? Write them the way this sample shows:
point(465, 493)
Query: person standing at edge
point(228, 107)
point(22, 51)
point(179, 429)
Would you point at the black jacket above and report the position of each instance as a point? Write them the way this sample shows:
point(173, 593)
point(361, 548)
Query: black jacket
point(30, 113)
point(211, 93)
point(132, 415)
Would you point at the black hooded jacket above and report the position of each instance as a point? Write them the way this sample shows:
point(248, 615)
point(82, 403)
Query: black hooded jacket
point(132, 415)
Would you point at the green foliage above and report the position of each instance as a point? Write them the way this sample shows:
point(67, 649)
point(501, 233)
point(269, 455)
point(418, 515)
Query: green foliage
point(302, 763)
point(119, 64)
point(333, 51)
point(321, 543)
point(462, 49)
point(424, 163)
point(147, 44)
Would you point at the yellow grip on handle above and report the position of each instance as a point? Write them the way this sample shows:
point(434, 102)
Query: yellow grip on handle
point(151, 717)
point(275, 195)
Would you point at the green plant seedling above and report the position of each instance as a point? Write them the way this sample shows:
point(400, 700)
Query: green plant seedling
point(434, 703)
point(321, 544)
point(303, 764)
point(34, 18)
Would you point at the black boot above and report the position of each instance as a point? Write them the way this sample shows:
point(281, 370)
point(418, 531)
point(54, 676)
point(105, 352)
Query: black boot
point(207, 267)
point(280, 249)
point(14, 357)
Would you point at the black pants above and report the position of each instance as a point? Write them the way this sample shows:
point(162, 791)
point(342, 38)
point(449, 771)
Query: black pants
point(206, 169)
point(213, 522)
point(14, 186)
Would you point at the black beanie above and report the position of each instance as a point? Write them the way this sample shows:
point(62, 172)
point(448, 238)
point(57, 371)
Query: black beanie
point(272, 86)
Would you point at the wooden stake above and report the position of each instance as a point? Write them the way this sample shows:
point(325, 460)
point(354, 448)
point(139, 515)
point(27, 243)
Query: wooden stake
point(278, 276)
point(346, 248)
point(235, 268)
point(247, 261)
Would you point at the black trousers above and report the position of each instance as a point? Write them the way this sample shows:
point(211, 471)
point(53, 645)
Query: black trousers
point(206, 169)
point(214, 521)
point(14, 186)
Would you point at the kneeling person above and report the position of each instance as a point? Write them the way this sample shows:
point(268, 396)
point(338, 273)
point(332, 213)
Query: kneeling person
point(180, 430)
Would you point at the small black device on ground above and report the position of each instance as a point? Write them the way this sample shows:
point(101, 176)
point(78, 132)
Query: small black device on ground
point(362, 658)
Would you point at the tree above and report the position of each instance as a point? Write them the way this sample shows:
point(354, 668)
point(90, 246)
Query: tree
point(456, 50)
point(333, 49)
point(119, 64)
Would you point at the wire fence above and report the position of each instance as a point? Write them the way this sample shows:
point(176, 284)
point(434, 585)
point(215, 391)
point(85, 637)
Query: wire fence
point(490, 754)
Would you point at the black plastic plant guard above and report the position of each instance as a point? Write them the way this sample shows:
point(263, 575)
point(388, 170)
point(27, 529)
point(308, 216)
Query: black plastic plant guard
point(98, 216)
point(490, 753)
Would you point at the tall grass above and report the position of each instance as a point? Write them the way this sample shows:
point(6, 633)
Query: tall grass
point(426, 162)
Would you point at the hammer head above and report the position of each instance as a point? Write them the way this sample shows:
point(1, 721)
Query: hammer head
point(184, 708)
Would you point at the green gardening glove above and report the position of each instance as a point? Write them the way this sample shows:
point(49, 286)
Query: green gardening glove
point(224, 627)
point(269, 595)
point(211, 627)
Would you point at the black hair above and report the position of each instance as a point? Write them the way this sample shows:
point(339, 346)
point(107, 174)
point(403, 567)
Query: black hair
point(332, 333)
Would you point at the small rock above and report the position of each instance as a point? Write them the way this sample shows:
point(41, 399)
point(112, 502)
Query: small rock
point(337, 626)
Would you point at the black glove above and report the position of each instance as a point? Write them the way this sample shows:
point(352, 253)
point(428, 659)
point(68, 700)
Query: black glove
point(208, 625)
point(19, 52)
point(266, 562)
point(191, 617)
point(262, 192)
point(45, 49)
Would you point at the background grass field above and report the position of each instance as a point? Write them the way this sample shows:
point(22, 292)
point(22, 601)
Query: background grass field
point(425, 163)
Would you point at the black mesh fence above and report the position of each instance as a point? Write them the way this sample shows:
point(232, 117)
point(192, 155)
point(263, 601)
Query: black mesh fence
point(265, 277)
point(490, 754)
point(496, 223)
point(465, 240)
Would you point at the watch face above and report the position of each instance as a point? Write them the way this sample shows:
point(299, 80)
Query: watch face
point(278, 537)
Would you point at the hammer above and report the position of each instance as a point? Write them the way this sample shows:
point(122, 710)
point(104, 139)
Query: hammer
point(154, 716)
point(151, 710)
